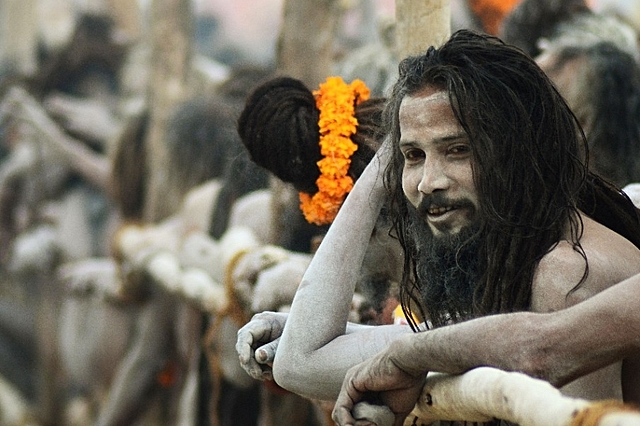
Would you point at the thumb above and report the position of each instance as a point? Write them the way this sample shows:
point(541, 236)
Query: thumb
point(265, 354)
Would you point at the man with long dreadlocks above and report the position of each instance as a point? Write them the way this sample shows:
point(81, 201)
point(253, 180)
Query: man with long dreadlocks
point(495, 208)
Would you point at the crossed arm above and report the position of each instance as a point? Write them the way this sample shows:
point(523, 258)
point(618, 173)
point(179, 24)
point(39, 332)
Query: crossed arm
point(317, 348)
point(557, 347)
point(314, 352)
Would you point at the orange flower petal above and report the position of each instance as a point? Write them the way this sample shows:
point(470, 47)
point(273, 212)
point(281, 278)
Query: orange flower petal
point(336, 101)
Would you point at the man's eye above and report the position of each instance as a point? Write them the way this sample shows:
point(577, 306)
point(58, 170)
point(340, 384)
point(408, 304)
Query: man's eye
point(413, 155)
point(459, 149)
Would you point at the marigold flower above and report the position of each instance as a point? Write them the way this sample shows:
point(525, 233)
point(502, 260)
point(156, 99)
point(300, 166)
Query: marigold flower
point(336, 102)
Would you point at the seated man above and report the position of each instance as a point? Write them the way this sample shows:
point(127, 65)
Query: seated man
point(496, 212)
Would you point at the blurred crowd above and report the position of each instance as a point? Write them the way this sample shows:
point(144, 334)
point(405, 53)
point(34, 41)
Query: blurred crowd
point(112, 313)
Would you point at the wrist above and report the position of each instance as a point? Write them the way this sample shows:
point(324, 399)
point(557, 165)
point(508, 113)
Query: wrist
point(406, 354)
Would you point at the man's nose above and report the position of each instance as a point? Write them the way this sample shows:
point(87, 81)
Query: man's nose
point(434, 178)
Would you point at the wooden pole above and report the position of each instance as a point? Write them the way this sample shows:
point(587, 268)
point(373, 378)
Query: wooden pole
point(305, 46)
point(421, 24)
point(18, 35)
point(171, 52)
point(126, 13)
point(486, 393)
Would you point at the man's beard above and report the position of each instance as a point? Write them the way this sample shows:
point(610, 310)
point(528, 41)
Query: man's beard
point(447, 269)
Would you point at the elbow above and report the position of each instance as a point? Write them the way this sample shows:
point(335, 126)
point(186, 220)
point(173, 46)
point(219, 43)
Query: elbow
point(303, 376)
point(543, 363)
point(539, 357)
point(286, 373)
point(285, 365)
point(537, 361)
point(281, 374)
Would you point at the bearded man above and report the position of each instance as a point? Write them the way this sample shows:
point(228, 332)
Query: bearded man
point(496, 211)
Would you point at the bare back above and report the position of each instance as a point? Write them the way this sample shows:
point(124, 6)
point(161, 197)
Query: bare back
point(611, 259)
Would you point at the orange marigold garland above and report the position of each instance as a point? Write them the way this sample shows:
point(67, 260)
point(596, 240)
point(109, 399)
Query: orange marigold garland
point(336, 101)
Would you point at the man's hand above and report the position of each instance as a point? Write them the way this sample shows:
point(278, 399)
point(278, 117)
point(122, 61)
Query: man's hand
point(380, 380)
point(257, 343)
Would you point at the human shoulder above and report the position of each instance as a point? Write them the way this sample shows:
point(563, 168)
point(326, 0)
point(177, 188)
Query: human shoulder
point(556, 274)
point(610, 257)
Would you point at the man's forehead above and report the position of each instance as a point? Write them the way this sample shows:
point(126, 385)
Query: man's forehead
point(430, 93)
point(434, 94)
point(424, 103)
point(424, 97)
point(429, 111)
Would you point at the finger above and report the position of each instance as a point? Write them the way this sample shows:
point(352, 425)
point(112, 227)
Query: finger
point(244, 344)
point(249, 364)
point(259, 372)
point(266, 354)
point(379, 415)
point(267, 373)
point(253, 369)
point(342, 415)
point(344, 404)
point(246, 356)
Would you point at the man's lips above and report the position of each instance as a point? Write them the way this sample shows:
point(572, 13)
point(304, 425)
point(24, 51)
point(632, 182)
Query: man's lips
point(437, 211)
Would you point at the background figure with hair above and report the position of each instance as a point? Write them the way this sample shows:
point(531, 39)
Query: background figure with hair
point(601, 84)
point(470, 250)
point(532, 23)
point(592, 56)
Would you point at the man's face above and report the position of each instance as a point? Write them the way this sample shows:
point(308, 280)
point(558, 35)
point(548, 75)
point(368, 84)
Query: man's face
point(437, 178)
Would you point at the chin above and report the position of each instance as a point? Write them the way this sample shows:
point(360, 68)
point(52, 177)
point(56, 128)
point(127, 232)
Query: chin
point(446, 231)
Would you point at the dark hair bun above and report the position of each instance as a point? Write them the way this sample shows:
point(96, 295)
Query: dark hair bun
point(279, 128)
